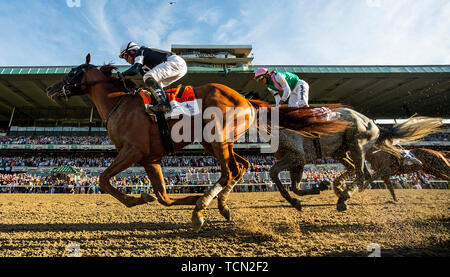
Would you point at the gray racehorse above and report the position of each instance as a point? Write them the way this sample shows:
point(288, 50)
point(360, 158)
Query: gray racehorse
point(295, 151)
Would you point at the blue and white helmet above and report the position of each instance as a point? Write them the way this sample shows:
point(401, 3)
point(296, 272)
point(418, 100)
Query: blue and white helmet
point(127, 47)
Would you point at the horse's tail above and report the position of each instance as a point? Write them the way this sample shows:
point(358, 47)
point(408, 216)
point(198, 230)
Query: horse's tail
point(446, 154)
point(415, 128)
point(303, 121)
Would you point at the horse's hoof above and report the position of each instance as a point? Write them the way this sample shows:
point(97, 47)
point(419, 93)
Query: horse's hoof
point(225, 212)
point(341, 207)
point(297, 204)
point(197, 221)
point(132, 201)
point(148, 198)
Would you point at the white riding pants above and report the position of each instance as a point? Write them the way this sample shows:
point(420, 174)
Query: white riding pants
point(168, 72)
point(299, 95)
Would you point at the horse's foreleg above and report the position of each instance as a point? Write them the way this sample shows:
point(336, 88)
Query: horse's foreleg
point(127, 157)
point(154, 172)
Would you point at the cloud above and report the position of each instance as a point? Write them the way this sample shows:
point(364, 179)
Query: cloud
point(96, 17)
point(347, 32)
point(226, 32)
point(373, 3)
point(281, 32)
point(210, 16)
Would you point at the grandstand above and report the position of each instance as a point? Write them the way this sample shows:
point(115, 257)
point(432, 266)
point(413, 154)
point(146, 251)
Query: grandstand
point(37, 134)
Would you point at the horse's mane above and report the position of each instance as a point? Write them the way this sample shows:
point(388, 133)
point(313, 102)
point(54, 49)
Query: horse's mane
point(107, 71)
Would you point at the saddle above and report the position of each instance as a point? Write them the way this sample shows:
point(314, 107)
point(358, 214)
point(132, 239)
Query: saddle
point(182, 100)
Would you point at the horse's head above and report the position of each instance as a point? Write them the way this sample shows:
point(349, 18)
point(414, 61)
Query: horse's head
point(72, 83)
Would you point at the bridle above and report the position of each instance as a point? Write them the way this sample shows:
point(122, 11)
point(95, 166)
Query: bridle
point(69, 84)
point(73, 82)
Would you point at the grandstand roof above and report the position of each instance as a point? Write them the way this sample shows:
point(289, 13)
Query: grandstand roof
point(378, 91)
point(233, 49)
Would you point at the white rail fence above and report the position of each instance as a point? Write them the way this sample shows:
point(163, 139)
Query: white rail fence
point(197, 182)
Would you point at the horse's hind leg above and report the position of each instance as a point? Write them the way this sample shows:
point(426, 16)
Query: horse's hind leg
point(127, 156)
point(296, 179)
point(341, 190)
point(222, 154)
point(284, 163)
point(243, 166)
point(358, 157)
point(390, 187)
point(223, 195)
point(154, 172)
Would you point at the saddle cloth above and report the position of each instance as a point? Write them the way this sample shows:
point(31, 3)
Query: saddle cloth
point(182, 99)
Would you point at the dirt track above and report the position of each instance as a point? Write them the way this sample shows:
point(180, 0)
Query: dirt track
point(263, 224)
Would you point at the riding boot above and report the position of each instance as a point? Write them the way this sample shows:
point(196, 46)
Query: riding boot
point(161, 97)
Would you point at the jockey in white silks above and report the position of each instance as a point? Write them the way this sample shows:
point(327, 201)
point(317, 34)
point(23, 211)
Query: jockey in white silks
point(289, 84)
point(165, 68)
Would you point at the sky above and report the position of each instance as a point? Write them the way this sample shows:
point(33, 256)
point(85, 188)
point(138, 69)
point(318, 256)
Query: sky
point(282, 32)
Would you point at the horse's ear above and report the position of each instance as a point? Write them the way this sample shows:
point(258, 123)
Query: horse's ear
point(88, 58)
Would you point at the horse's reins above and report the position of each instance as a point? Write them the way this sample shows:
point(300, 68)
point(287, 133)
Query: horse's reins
point(115, 108)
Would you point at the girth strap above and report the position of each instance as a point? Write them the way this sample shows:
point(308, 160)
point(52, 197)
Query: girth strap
point(164, 131)
point(317, 147)
point(163, 127)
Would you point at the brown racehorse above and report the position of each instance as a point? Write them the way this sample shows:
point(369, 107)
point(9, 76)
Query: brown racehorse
point(386, 165)
point(137, 139)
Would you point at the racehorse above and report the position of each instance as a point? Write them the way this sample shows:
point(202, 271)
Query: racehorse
point(137, 139)
point(386, 165)
point(295, 151)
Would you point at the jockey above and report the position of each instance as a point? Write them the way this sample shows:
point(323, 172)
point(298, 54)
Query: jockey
point(165, 68)
point(408, 158)
point(287, 83)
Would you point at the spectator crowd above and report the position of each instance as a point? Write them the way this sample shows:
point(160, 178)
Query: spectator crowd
point(99, 161)
point(199, 166)
point(31, 183)
point(104, 140)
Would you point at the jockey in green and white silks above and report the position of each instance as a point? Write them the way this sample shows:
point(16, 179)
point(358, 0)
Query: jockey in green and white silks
point(289, 84)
